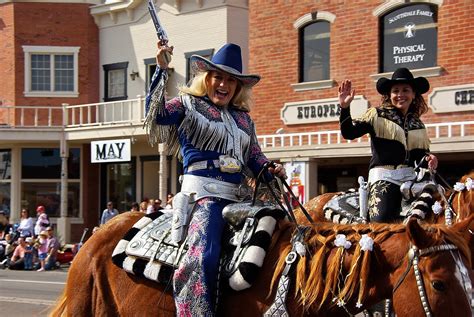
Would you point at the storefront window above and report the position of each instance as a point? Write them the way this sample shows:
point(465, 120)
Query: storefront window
point(5, 197)
point(41, 180)
point(49, 195)
point(45, 163)
point(5, 176)
point(409, 38)
point(5, 164)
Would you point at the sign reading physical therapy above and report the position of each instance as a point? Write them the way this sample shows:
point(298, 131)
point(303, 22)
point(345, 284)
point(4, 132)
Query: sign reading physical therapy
point(322, 110)
point(111, 151)
point(410, 38)
point(452, 98)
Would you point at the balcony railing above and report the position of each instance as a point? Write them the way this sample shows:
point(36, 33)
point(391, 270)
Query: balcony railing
point(124, 112)
point(131, 112)
point(435, 131)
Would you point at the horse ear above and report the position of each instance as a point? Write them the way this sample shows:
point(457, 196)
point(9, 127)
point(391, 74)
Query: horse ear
point(416, 234)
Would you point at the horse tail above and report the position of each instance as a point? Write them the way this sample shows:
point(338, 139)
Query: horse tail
point(61, 307)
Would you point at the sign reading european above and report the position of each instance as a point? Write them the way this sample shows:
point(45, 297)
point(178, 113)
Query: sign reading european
point(111, 151)
point(321, 110)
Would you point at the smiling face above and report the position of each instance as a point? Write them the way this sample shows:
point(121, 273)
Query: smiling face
point(221, 87)
point(401, 96)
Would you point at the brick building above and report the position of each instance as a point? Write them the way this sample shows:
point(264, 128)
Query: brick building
point(46, 62)
point(303, 49)
point(73, 80)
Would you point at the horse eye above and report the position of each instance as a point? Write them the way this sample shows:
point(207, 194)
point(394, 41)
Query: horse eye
point(438, 285)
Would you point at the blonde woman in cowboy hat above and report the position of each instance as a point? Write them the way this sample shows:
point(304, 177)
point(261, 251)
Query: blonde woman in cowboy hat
point(399, 140)
point(210, 128)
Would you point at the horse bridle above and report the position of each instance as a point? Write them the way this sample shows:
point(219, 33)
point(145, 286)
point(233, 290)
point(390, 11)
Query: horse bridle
point(414, 254)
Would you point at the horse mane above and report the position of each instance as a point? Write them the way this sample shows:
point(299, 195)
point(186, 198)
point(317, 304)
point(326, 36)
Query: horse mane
point(463, 202)
point(318, 273)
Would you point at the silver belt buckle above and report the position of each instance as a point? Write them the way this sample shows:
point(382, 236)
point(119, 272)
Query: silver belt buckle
point(243, 191)
point(228, 164)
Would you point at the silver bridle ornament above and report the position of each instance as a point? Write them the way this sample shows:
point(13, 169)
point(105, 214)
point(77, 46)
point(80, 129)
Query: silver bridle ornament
point(414, 254)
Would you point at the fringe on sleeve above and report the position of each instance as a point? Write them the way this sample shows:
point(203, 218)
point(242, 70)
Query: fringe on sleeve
point(157, 133)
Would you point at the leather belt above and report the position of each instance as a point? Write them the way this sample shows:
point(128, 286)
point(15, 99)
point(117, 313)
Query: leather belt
point(203, 165)
point(210, 187)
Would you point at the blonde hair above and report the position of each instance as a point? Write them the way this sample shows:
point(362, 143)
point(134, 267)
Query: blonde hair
point(241, 100)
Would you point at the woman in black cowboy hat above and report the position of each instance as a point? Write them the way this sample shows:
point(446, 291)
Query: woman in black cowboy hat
point(399, 140)
point(209, 127)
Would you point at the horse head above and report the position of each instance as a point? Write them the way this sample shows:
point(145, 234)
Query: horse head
point(437, 264)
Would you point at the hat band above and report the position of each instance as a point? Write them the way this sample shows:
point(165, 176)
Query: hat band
point(229, 69)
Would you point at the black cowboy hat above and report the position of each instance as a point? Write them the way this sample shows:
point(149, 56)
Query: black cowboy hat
point(403, 75)
point(228, 59)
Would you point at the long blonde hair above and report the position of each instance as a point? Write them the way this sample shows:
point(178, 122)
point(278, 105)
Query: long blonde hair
point(241, 100)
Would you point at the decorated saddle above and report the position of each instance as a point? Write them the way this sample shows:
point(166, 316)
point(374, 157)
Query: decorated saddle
point(344, 208)
point(147, 249)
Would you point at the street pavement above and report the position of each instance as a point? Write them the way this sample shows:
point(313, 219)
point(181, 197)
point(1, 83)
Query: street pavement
point(30, 293)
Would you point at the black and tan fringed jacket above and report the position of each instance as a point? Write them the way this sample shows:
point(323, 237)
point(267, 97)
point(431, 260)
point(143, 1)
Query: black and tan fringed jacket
point(395, 139)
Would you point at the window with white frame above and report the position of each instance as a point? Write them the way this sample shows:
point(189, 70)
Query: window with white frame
point(314, 51)
point(150, 68)
point(51, 71)
point(314, 31)
point(115, 85)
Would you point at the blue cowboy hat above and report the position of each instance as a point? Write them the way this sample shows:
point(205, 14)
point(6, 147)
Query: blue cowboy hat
point(228, 59)
point(403, 75)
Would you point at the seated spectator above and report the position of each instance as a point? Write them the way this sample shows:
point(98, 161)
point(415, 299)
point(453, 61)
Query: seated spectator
point(17, 262)
point(6, 249)
point(29, 253)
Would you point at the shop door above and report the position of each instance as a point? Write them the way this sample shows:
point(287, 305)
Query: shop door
point(118, 185)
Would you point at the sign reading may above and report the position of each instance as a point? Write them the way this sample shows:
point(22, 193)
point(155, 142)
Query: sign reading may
point(110, 151)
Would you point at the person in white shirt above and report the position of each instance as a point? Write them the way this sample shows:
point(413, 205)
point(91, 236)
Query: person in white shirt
point(108, 213)
point(42, 221)
point(27, 225)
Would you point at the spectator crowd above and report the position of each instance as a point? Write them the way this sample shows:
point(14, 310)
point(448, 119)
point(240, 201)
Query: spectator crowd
point(29, 244)
point(147, 206)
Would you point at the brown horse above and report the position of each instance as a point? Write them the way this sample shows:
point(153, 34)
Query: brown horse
point(96, 287)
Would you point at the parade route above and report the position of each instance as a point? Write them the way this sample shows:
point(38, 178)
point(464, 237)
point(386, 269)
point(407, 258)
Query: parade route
point(30, 293)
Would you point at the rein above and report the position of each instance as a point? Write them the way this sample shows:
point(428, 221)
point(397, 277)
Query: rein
point(299, 248)
point(288, 209)
point(414, 255)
